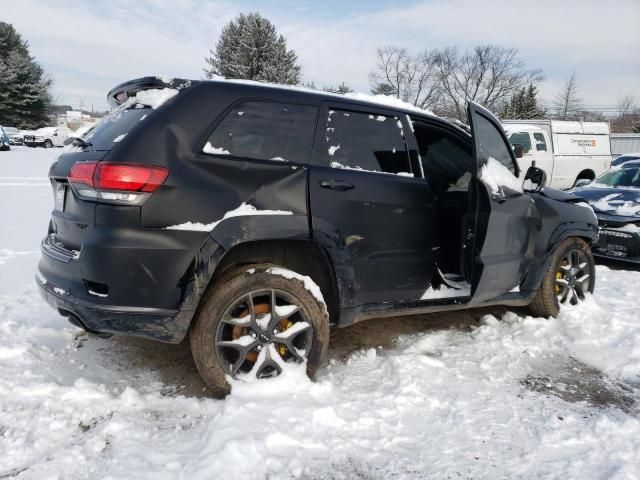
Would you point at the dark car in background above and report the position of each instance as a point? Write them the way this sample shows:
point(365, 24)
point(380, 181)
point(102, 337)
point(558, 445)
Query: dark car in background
point(615, 197)
point(624, 158)
point(254, 217)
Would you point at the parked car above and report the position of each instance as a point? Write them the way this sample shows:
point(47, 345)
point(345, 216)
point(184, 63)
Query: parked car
point(625, 158)
point(4, 140)
point(255, 217)
point(18, 138)
point(566, 151)
point(47, 137)
point(615, 197)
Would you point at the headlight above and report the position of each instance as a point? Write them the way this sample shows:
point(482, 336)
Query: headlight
point(39, 139)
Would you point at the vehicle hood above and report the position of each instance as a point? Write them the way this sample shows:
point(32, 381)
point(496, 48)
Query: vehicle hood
point(619, 202)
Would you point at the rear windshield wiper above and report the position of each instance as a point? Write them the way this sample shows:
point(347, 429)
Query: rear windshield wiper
point(77, 141)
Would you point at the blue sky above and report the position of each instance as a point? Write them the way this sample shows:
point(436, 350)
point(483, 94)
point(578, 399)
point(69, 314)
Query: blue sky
point(88, 47)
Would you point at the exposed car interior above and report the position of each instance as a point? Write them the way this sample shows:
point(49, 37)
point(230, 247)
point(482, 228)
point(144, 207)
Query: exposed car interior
point(447, 163)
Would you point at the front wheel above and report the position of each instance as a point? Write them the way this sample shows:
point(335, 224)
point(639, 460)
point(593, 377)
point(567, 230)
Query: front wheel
point(569, 277)
point(255, 320)
point(48, 144)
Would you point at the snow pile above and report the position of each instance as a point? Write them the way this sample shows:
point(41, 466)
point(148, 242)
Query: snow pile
point(496, 176)
point(448, 401)
point(153, 97)
point(387, 101)
point(619, 207)
point(308, 282)
point(445, 292)
point(243, 210)
point(208, 148)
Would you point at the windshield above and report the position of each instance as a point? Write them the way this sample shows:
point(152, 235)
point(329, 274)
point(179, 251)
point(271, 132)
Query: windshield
point(621, 177)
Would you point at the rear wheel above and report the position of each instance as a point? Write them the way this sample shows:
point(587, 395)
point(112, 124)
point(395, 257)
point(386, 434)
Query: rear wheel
point(252, 323)
point(570, 276)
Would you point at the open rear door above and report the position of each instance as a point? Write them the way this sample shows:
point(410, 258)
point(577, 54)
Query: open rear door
point(504, 213)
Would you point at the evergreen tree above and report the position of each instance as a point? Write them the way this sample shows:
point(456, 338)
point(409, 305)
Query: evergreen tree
point(523, 105)
point(24, 89)
point(250, 48)
point(384, 89)
point(342, 89)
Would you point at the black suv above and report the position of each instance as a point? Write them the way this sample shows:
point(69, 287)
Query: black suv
point(254, 217)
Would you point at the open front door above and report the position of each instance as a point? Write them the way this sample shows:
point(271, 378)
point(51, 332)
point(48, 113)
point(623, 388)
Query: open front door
point(504, 219)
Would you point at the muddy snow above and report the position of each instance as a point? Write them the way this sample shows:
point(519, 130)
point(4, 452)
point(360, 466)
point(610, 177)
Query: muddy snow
point(489, 393)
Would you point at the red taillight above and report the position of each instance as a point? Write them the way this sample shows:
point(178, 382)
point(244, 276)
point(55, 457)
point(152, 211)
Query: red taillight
point(127, 177)
point(116, 182)
point(82, 172)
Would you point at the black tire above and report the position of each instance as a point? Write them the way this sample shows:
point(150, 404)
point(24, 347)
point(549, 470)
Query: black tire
point(570, 276)
point(216, 326)
point(48, 143)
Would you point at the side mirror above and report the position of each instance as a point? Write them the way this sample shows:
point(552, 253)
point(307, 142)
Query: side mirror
point(55, 134)
point(535, 179)
point(582, 182)
point(518, 150)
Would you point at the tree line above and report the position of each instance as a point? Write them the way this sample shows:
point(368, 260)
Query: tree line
point(249, 47)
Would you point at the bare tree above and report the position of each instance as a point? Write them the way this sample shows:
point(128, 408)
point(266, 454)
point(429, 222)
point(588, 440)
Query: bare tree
point(567, 102)
point(627, 105)
point(411, 78)
point(628, 114)
point(488, 74)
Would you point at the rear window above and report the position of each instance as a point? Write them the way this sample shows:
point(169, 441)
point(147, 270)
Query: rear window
point(114, 127)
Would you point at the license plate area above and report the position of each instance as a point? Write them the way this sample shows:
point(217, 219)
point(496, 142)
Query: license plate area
point(59, 195)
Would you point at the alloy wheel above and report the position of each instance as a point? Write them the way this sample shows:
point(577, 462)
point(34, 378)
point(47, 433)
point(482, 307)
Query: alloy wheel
point(260, 332)
point(573, 277)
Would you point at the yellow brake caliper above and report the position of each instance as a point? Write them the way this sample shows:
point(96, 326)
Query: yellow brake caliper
point(283, 324)
point(559, 275)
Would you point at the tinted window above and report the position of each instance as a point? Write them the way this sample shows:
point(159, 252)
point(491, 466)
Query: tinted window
point(445, 158)
point(113, 127)
point(265, 131)
point(521, 138)
point(541, 143)
point(491, 143)
point(367, 142)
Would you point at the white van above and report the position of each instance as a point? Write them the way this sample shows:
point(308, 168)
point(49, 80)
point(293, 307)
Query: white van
point(566, 151)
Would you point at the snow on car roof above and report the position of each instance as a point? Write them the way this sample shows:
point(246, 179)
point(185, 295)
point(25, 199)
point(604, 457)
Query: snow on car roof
point(380, 100)
point(46, 130)
point(519, 127)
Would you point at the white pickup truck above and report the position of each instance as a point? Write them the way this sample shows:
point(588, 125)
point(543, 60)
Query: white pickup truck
point(47, 137)
point(566, 151)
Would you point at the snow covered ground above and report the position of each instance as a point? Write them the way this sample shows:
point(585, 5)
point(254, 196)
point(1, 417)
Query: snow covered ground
point(487, 394)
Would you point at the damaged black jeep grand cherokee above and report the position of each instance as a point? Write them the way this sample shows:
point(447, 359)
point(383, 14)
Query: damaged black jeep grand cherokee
point(254, 217)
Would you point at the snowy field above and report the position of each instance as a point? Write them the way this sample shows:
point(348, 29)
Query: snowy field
point(485, 394)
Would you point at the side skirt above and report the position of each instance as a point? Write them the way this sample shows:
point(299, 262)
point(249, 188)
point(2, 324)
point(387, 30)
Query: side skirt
point(354, 315)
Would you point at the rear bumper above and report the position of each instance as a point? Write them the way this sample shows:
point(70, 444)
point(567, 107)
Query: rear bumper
point(168, 326)
point(138, 285)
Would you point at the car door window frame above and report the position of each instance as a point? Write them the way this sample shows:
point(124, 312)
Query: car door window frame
point(319, 151)
point(201, 140)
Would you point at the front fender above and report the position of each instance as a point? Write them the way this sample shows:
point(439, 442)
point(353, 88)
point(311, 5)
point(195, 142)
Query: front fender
point(558, 221)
